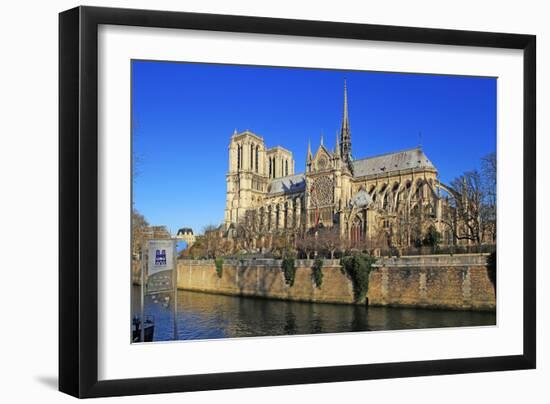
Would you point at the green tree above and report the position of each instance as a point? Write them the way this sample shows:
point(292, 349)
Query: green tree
point(358, 267)
point(289, 270)
point(219, 266)
point(318, 272)
point(433, 237)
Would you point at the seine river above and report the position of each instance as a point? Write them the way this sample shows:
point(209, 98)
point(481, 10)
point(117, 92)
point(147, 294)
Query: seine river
point(208, 316)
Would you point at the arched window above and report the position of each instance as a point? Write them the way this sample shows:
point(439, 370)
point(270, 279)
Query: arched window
point(274, 175)
point(257, 155)
point(286, 168)
point(356, 233)
point(251, 156)
point(238, 156)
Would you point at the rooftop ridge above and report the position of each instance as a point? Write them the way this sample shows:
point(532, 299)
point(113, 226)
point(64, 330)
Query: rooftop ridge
point(247, 132)
point(267, 149)
point(388, 153)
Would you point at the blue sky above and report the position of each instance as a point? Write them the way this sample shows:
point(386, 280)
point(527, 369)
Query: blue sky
point(184, 114)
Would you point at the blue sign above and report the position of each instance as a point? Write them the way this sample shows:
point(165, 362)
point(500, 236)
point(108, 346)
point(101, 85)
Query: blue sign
point(160, 257)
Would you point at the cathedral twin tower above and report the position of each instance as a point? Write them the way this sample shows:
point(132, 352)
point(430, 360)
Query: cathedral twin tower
point(258, 174)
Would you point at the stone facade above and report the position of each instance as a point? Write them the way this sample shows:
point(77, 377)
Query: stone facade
point(363, 198)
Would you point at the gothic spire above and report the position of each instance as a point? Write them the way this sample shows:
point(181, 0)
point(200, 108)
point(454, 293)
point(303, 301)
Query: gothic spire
point(337, 144)
point(345, 131)
point(345, 118)
point(309, 156)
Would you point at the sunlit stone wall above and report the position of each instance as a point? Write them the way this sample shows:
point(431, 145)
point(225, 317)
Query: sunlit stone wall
point(445, 282)
point(436, 281)
point(264, 278)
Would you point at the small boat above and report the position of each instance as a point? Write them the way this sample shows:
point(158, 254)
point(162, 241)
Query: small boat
point(148, 329)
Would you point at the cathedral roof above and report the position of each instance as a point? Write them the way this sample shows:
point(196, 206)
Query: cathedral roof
point(384, 163)
point(290, 184)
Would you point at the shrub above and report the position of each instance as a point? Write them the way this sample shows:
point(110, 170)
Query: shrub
point(289, 270)
point(358, 267)
point(219, 266)
point(433, 237)
point(318, 272)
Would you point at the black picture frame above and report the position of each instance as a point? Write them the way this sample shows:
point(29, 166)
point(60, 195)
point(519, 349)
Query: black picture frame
point(78, 201)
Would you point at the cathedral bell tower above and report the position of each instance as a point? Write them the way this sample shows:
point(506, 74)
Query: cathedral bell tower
point(247, 175)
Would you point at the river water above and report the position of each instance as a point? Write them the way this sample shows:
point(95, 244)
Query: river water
point(209, 316)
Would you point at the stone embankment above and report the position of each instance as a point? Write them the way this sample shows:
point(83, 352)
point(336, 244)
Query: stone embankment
point(434, 281)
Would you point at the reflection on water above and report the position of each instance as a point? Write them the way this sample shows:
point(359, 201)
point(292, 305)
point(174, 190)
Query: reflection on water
point(208, 316)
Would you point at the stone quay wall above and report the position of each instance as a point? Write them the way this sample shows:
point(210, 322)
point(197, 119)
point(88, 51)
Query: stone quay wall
point(438, 281)
point(265, 278)
point(433, 281)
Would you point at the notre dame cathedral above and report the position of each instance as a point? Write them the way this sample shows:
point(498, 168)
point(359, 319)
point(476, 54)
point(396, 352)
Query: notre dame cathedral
point(362, 197)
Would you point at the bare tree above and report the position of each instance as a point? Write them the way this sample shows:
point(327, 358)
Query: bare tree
point(489, 208)
point(470, 213)
point(307, 244)
point(328, 239)
point(464, 214)
point(346, 245)
point(380, 239)
point(139, 226)
point(282, 244)
point(225, 246)
point(197, 250)
point(409, 226)
point(489, 171)
point(210, 241)
point(248, 231)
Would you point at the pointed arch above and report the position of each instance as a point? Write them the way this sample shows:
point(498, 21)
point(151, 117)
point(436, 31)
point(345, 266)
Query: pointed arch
point(239, 157)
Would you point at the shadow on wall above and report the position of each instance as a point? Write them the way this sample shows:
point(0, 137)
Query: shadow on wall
point(492, 269)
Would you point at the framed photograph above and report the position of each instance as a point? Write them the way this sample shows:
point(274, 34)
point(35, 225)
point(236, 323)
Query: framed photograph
point(251, 201)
